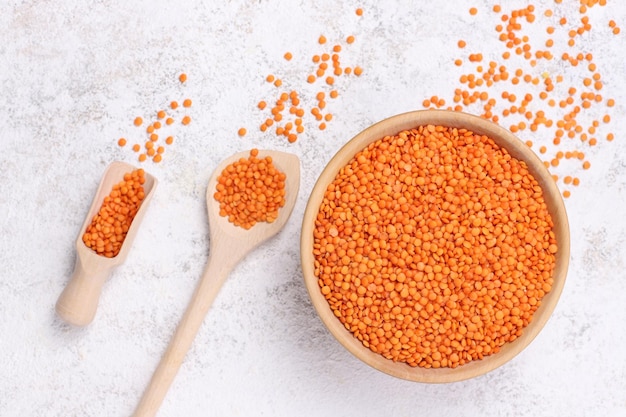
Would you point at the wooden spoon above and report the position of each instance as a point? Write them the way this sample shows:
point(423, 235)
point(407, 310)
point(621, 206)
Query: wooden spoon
point(78, 302)
point(228, 245)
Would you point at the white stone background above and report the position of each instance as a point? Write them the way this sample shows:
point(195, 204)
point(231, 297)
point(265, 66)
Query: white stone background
point(73, 76)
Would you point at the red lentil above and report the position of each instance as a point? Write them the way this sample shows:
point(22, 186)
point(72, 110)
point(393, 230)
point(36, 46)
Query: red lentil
point(323, 73)
point(250, 190)
point(107, 230)
point(161, 120)
point(434, 247)
point(510, 31)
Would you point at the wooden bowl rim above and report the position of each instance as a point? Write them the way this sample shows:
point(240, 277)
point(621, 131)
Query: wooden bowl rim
point(502, 138)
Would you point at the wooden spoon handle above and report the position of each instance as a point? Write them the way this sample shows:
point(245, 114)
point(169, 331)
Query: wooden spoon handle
point(78, 302)
point(212, 279)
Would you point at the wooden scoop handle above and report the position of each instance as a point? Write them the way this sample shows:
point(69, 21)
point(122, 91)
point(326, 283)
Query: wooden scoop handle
point(214, 275)
point(78, 302)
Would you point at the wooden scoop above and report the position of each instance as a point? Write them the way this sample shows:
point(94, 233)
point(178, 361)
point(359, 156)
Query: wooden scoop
point(228, 245)
point(78, 302)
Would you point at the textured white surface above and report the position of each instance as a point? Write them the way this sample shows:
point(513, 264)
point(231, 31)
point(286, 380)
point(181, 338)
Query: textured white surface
point(72, 78)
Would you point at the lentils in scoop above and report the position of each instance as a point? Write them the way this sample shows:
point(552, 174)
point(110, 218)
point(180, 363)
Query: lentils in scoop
point(107, 231)
point(251, 190)
point(434, 247)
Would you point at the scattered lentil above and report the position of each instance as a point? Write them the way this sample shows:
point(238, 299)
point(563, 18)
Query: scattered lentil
point(327, 70)
point(150, 150)
point(572, 104)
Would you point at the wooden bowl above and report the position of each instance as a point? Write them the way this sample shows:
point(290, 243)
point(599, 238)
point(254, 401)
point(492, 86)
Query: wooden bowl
point(517, 149)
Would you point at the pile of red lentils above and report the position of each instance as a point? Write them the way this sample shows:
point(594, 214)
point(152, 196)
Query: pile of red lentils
point(108, 228)
point(569, 111)
point(158, 133)
point(251, 190)
point(434, 247)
